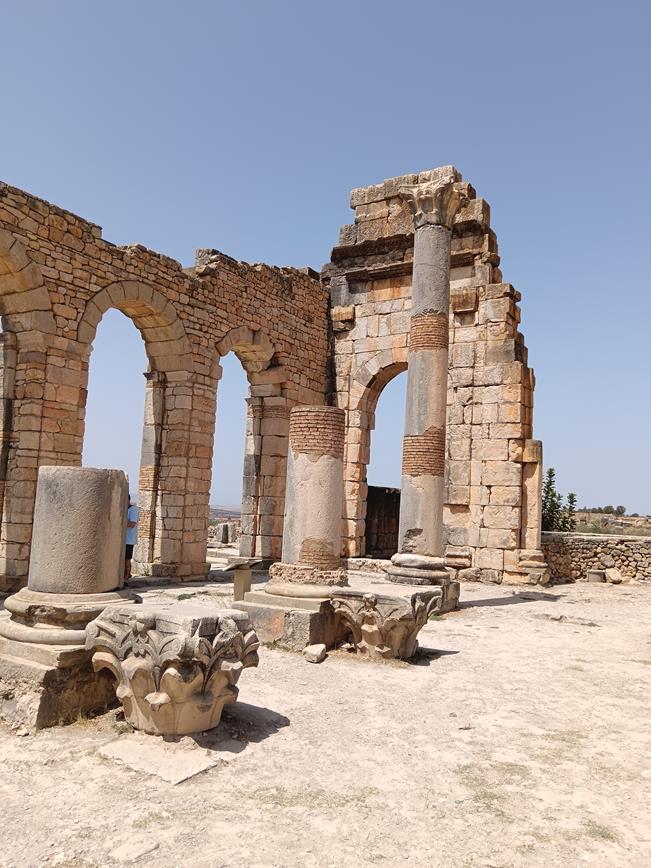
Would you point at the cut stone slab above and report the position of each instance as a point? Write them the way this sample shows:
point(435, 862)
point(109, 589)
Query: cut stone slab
point(594, 576)
point(172, 761)
point(133, 849)
point(293, 622)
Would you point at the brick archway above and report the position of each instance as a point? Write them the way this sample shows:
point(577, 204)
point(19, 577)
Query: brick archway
point(367, 383)
point(267, 433)
point(167, 345)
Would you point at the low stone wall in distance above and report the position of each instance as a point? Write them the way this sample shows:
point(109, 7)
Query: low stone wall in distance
point(571, 555)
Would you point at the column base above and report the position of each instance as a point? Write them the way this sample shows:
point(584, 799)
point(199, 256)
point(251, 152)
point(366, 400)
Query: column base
point(291, 621)
point(413, 569)
point(44, 685)
point(530, 568)
point(46, 676)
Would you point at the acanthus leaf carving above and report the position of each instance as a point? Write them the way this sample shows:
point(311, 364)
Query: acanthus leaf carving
point(175, 673)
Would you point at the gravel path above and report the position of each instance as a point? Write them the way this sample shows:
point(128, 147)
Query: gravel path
point(519, 738)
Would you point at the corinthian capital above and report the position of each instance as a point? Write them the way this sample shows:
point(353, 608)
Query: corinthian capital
point(433, 202)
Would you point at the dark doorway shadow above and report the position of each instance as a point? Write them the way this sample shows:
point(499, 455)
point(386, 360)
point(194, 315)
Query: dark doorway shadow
point(520, 597)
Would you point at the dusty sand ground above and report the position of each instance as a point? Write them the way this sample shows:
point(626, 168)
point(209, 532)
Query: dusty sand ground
point(520, 738)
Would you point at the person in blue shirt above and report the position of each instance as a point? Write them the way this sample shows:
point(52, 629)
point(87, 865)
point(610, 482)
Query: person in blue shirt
point(131, 537)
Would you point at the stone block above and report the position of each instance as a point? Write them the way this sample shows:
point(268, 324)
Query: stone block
point(315, 653)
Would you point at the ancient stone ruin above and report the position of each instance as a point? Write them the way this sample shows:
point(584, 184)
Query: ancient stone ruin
point(333, 339)
point(414, 284)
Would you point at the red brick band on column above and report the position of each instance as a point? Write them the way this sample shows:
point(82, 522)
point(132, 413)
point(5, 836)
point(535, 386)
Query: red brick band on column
point(317, 430)
point(429, 331)
point(318, 553)
point(424, 454)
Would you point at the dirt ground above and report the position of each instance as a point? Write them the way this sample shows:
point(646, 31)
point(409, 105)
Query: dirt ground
point(520, 737)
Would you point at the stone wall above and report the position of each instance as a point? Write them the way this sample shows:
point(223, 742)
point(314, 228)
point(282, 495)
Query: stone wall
point(382, 520)
point(57, 279)
point(303, 339)
point(571, 555)
point(493, 467)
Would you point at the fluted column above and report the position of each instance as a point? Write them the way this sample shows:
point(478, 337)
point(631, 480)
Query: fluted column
point(420, 559)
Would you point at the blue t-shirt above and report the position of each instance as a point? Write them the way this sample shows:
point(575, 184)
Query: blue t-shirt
point(132, 532)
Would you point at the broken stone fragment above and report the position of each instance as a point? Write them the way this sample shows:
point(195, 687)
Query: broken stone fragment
point(614, 576)
point(315, 653)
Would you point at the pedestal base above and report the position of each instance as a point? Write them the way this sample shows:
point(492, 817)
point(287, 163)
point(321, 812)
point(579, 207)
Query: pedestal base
point(291, 621)
point(413, 569)
point(46, 676)
point(43, 686)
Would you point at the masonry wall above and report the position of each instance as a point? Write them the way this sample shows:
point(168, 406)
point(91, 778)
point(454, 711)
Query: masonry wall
point(492, 512)
point(571, 555)
point(57, 279)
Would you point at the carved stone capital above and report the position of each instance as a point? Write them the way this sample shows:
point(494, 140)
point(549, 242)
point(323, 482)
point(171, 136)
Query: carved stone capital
point(433, 203)
point(381, 626)
point(176, 665)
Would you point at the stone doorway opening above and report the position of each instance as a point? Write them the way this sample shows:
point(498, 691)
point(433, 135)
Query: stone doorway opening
point(114, 410)
point(384, 469)
point(228, 458)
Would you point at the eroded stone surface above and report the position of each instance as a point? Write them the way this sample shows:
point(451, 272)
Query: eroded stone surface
point(382, 626)
point(176, 665)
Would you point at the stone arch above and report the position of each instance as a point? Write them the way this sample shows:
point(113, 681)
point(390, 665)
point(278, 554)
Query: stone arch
point(266, 440)
point(166, 342)
point(367, 383)
point(25, 303)
point(253, 348)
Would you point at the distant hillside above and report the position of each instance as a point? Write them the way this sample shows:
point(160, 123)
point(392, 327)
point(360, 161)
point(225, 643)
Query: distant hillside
point(600, 522)
point(225, 512)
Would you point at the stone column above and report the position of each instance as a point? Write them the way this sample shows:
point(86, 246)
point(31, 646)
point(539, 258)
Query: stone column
point(7, 379)
point(313, 502)
point(75, 572)
point(420, 559)
point(150, 458)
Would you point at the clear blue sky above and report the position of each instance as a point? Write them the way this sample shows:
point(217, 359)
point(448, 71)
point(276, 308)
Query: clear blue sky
point(243, 126)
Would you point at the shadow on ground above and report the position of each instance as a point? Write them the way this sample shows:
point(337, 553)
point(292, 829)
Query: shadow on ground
point(241, 724)
point(424, 656)
point(522, 597)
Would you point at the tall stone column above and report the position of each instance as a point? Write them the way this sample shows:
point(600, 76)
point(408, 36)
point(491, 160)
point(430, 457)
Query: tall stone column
point(294, 609)
point(150, 458)
point(311, 557)
point(420, 559)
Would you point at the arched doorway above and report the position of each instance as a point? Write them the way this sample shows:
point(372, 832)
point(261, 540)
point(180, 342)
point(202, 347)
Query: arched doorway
point(266, 441)
point(368, 382)
point(384, 470)
point(228, 459)
point(172, 522)
point(114, 407)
